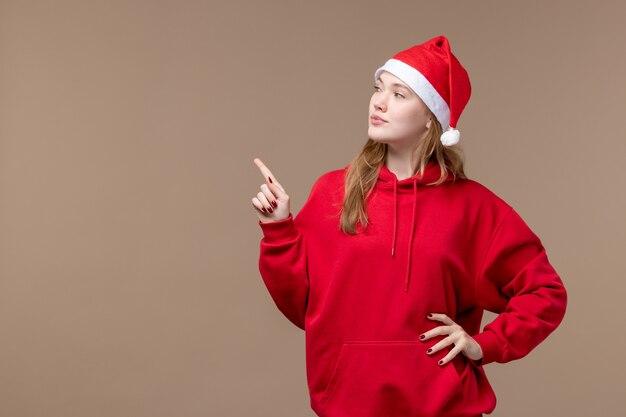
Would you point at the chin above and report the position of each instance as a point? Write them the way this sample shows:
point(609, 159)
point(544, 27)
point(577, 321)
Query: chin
point(378, 137)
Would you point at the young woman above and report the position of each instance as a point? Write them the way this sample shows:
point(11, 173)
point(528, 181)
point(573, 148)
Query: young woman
point(392, 260)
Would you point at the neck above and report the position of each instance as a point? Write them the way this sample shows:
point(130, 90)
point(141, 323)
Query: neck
point(399, 161)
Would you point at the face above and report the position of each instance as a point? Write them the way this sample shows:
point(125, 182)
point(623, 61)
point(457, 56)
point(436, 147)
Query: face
point(404, 112)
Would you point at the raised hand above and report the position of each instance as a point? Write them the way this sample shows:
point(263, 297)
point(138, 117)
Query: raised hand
point(272, 202)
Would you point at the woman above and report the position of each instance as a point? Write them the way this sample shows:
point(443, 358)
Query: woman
point(392, 260)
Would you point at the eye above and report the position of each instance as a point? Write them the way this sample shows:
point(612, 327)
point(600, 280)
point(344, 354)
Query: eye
point(376, 88)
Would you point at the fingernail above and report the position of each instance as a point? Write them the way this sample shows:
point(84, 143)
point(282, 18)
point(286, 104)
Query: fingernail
point(441, 362)
point(270, 209)
point(274, 203)
point(270, 180)
point(263, 210)
point(422, 337)
point(430, 315)
point(429, 350)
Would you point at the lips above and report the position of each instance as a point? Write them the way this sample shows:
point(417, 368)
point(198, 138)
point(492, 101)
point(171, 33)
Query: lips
point(374, 117)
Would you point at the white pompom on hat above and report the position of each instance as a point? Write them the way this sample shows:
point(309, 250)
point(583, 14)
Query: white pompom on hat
point(438, 78)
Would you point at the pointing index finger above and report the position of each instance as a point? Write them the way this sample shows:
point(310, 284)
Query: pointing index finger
point(267, 174)
point(264, 170)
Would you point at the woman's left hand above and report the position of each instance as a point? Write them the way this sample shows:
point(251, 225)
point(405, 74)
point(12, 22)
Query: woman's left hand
point(462, 341)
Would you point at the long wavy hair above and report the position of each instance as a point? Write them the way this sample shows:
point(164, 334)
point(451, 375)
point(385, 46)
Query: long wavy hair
point(363, 170)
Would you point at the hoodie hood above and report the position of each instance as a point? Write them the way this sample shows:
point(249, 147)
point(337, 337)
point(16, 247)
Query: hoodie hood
point(388, 179)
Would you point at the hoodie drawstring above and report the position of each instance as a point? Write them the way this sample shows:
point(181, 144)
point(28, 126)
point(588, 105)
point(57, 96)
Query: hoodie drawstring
point(395, 228)
point(388, 180)
point(410, 250)
point(395, 217)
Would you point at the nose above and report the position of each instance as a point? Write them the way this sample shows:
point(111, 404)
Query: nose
point(379, 102)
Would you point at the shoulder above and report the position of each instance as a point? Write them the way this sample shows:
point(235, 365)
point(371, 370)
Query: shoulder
point(482, 198)
point(327, 188)
point(332, 180)
point(480, 191)
point(334, 175)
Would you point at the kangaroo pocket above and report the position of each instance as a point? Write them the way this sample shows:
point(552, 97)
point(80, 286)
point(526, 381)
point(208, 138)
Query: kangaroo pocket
point(390, 378)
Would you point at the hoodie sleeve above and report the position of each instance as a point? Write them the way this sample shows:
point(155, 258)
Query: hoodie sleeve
point(516, 280)
point(283, 261)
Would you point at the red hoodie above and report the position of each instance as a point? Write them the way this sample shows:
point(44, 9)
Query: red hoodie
point(456, 248)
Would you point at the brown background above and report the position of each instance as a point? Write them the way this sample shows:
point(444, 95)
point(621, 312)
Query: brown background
point(128, 242)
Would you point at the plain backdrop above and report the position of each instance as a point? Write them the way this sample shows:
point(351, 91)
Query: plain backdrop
point(129, 281)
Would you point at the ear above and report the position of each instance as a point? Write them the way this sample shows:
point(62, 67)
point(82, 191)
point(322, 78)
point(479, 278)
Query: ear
point(428, 123)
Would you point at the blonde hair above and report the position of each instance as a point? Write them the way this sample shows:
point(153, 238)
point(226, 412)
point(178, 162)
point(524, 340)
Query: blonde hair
point(363, 170)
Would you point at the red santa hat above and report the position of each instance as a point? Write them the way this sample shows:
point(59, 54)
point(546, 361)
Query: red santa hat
point(437, 77)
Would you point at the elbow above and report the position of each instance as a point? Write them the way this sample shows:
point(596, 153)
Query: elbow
point(559, 302)
point(564, 300)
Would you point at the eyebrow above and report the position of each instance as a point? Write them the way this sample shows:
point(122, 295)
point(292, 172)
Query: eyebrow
point(394, 84)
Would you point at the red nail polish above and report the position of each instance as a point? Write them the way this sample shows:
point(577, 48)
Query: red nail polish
point(270, 180)
point(263, 210)
point(429, 350)
point(270, 209)
point(430, 315)
point(274, 203)
point(422, 337)
point(441, 362)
